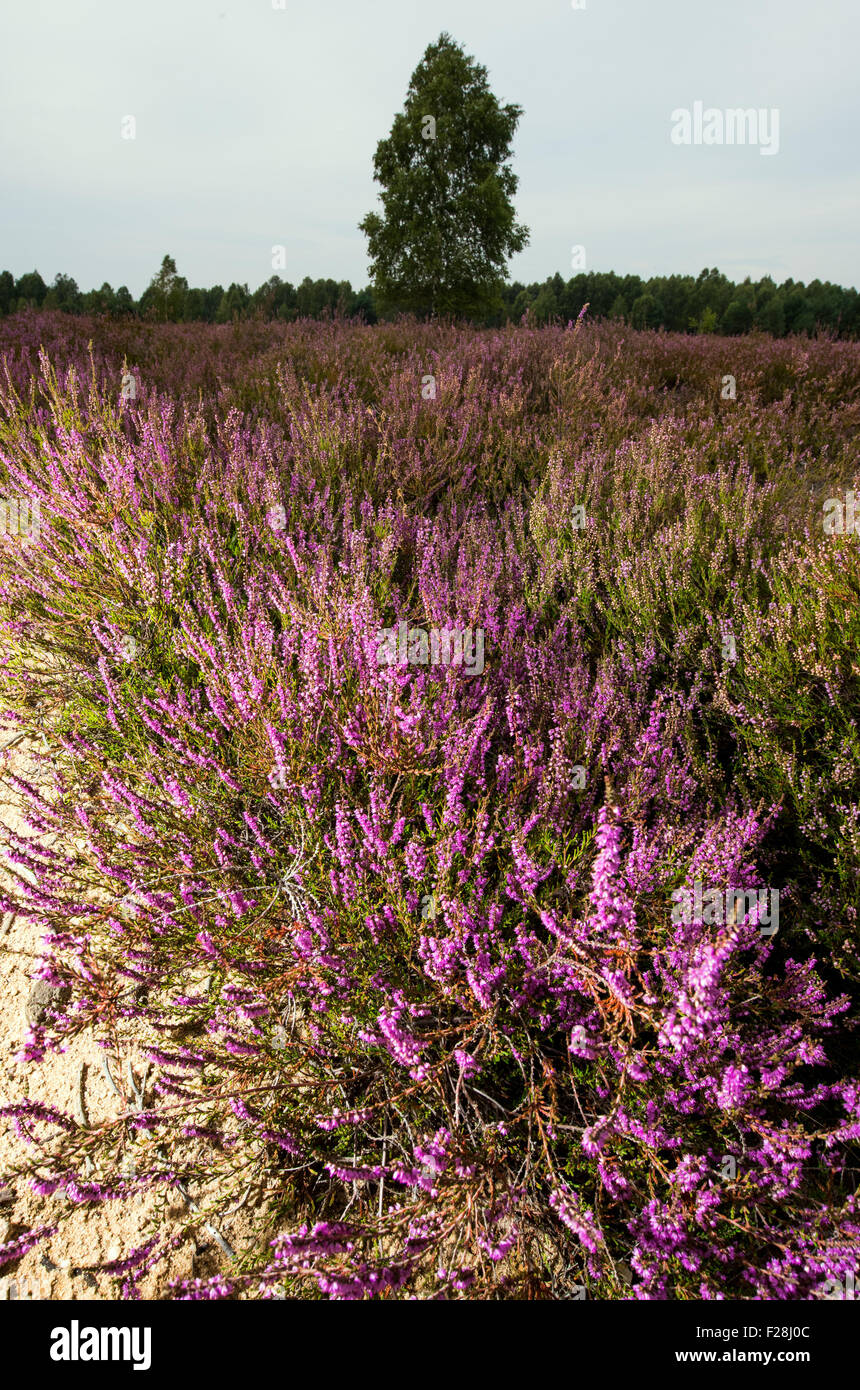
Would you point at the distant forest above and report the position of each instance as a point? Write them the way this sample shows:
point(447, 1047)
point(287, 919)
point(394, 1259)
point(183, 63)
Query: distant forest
point(707, 303)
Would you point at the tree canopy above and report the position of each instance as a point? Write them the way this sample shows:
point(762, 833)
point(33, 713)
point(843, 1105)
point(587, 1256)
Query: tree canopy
point(448, 224)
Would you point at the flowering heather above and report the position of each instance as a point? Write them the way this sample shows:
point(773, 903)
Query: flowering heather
point(398, 940)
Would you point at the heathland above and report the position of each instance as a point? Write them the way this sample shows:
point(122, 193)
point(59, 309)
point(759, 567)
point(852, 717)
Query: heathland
point(388, 954)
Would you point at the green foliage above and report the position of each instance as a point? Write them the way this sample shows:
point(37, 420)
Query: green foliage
point(646, 312)
point(235, 303)
point(165, 296)
point(7, 291)
point(65, 295)
point(101, 301)
point(448, 225)
point(707, 304)
point(30, 291)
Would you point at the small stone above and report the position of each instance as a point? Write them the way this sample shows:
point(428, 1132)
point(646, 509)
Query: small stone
point(44, 996)
point(7, 1196)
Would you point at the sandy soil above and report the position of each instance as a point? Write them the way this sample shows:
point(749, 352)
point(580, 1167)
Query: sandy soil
point(58, 1268)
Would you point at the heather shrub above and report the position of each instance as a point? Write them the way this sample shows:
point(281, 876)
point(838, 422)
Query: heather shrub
point(794, 706)
point(400, 941)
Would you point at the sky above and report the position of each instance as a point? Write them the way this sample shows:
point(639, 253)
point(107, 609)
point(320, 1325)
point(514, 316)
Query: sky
point(255, 127)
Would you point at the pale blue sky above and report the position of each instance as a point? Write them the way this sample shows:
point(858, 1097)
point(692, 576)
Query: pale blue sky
point(257, 127)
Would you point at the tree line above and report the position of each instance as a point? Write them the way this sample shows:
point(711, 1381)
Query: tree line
point(707, 303)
